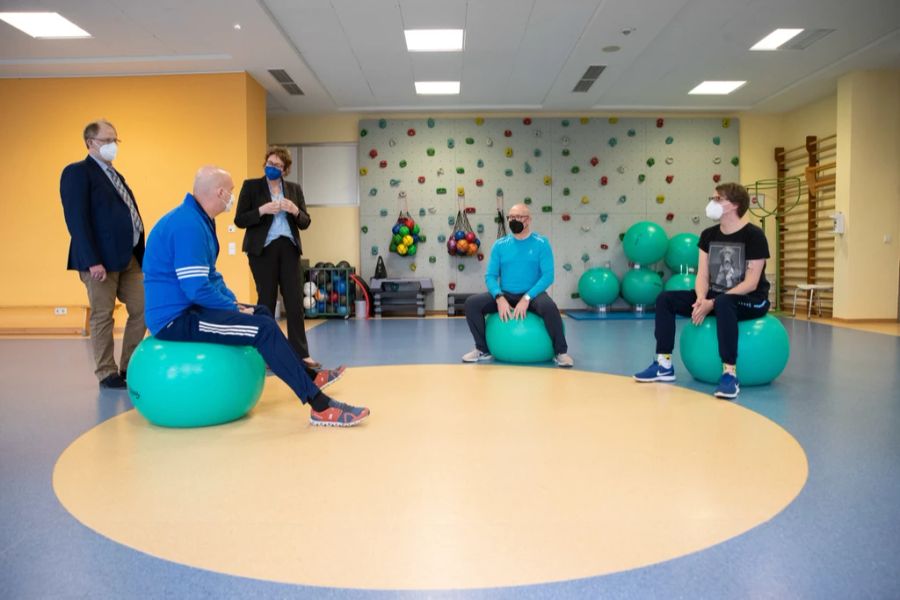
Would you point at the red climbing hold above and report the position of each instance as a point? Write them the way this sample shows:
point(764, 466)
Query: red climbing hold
point(604, 180)
point(717, 178)
point(526, 121)
point(507, 133)
point(410, 132)
point(479, 182)
point(383, 164)
point(373, 153)
point(670, 216)
point(421, 179)
point(595, 161)
point(670, 178)
point(604, 246)
point(660, 122)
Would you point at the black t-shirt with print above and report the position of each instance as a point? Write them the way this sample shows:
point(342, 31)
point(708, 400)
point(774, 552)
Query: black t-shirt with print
point(728, 256)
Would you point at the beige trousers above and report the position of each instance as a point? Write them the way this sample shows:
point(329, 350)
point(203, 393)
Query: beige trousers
point(127, 286)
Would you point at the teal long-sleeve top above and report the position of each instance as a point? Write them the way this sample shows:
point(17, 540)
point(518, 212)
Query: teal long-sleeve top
point(520, 266)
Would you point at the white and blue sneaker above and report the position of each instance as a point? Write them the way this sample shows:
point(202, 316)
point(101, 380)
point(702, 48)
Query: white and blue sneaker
point(655, 372)
point(729, 387)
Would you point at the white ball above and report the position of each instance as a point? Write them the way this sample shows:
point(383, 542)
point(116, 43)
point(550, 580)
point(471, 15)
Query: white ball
point(308, 302)
point(310, 289)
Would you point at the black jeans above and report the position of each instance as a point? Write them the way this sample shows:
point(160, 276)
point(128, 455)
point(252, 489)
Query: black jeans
point(727, 308)
point(279, 266)
point(481, 305)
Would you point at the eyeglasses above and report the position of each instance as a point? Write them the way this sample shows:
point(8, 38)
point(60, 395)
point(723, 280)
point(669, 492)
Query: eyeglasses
point(105, 141)
point(276, 165)
point(518, 217)
point(717, 198)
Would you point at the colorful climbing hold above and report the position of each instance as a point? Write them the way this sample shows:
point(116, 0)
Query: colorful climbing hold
point(548, 180)
point(479, 182)
point(717, 178)
point(575, 169)
point(508, 152)
point(660, 123)
point(479, 120)
point(660, 199)
point(373, 153)
point(460, 170)
point(365, 229)
point(460, 191)
point(402, 164)
point(421, 179)
point(430, 123)
point(566, 152)
point(604, 180)
point(480, 164)
point(480, 256)
point(621, 236)
point(584, 120)
point(432, 259)
point(567, 267)
point(395, 182)
point(651, 161)
point(565, 123)
point(526, 121)
point(451, 285)
point(622, 199)
point(412, 266)
point(613, 120)
point(382, 123)
point(410, 132)
point(604, 246)
point(421, 213)
point(527, 200)
point(585, 257)
point(479, 228)
point(451, 143)
point(527, 167)
point(470, 141)
point(735, 160)
point(461, 267)
point(566, 217)
point(507, 133)
point(670, 216)
point(595, 161)
point(717, 140)
point(443, 238)
point(669, 140)
point(546, 208)
point(508, 172)
point(632, 133)
point(499, 192)
point(363, 132)
point(566, 191)
point(373, 191)
point(383, 212)
point(641, 178)
point(441, 191)
point(612, 142)
point(383, 164)
point(363, 172)
point(585, 200)
point(429, 151)
point(726, 123)
point(603, 217)
point(374, 250)
point(537, 152)
point(670, 178)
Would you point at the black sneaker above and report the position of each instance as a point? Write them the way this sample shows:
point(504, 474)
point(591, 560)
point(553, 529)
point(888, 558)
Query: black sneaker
point(113, 382)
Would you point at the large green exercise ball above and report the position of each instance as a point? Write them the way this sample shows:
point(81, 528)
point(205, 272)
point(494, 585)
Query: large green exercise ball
point(193, 384)
point(682, 252)
point(763, 350)
point(680, 282)
point(519, 340)
point(641, 286)
point(598, 287)
point(645, 243)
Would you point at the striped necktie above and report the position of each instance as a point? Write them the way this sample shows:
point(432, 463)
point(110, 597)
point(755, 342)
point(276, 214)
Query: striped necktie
point(137, 225)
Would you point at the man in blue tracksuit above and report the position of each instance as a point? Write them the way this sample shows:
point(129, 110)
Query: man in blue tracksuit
point(187, 299)
point(518, 274)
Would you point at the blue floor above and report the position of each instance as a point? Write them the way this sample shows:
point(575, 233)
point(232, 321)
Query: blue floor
point(839, 397)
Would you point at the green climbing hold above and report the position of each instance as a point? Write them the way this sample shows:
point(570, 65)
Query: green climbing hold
point(603, 217)
point(612, 142)
point(363, 132)
point(451, 143)
point(632, 133)
point(547, 208)
point(623, 199)
point(441, 191)
point(575, 169)
point(499, 192)
point(470, 141)
point(480, 164)
point(527, 167)
point(430, 123)
point(565, 122)
point(402, 164)
point(395, 182)
point(460, 170)
point(383, 212)
point(373, 192)
point(735, 161)
point(480, 228)
point(717, 140)
point(382, 123)
point(365, 229)
point(527, 200)
point(537, 153)
point(461, 267)
point(651, 161)
point(566, 152)
point(566, 191)
point(585, 257)
point(641, 178)
point(621, 236)
point(432, 259)
point(421, 213)
point(508, 172)
point(670, 139)
point(567, 267)
point(430, 152)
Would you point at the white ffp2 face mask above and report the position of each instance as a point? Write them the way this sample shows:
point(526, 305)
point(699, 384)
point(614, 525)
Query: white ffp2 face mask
point(109, 151)
point(714, 210)
point(229, 203)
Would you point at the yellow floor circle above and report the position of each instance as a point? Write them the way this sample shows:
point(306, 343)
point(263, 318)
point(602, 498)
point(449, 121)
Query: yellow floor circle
point(464, 476)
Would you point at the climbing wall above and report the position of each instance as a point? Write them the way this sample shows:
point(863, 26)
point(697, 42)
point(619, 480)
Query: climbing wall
point(585, 180)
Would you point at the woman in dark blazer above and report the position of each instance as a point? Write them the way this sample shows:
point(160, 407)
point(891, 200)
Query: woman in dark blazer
point(273, 212)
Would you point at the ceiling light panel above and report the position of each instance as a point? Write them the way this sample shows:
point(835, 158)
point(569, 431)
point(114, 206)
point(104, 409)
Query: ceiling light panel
point(776, 39)
point(434, 40)
point(719, 88)
point(44, 25)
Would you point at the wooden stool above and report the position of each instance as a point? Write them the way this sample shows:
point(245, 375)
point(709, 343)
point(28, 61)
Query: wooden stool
point(812, 288)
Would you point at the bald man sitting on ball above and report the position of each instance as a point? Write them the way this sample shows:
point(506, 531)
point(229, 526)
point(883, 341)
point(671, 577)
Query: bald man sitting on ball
point(187, 299)
point(519, 272)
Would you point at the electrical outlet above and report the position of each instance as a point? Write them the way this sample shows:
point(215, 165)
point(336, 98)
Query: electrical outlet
point(59, 311)
point(232, 248)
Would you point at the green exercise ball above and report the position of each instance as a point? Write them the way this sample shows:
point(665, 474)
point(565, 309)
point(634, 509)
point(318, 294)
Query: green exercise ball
point(682, 252)
point(680, 281)
point(193, 384)
point(519, 340)
point(598, 287)
point(763, 350)
point(645, 243)
point(641, 286)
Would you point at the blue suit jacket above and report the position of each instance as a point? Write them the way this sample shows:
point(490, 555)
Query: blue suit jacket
point(98, 219)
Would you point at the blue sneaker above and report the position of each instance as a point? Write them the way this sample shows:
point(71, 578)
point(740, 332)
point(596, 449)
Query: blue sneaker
point(655, 372)
point(729, 387)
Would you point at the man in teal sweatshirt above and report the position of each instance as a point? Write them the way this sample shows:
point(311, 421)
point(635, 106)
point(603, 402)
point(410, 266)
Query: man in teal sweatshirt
point(519, 272)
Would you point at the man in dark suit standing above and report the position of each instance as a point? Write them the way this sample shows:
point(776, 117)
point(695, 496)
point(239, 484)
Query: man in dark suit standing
point(107, 247)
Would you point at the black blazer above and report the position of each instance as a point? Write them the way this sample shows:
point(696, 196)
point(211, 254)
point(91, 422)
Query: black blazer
point(255, 193)
point(98, 219)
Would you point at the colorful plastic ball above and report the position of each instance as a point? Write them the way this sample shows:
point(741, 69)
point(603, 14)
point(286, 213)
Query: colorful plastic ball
point(641, 287)
point(411, 250)
point(472, 249)
point(342, 287)
point(462, 245)
point(645, 243)
point(459, 235)
point(416, 229)
point(308, 302)
point(342, 310)
point(682, 252)
point(407, 240)
point(334, 297)
point(519, 340)
point(598, 287)
point(680, 282)
point(470, 236)
point(401, 249)
point(309, 289)
point(397, 238)
point(451, 246)
point(393, 247)
point(404, 231)
point(395, 229)
point(763, 350)
point(409, 223)
point(192, 384)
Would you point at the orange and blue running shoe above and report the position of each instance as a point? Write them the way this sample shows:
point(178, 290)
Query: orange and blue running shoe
point(339, 414)
point(326, 377)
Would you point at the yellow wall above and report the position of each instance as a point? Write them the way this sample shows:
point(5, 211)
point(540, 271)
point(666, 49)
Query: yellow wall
point(868, 193)
point(170, 126)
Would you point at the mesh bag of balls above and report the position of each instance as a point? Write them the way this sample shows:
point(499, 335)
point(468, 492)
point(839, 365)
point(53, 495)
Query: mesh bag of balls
point(406, 236)
point(462, 241)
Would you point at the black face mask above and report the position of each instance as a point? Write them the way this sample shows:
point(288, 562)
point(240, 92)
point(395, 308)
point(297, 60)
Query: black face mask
point(516, 226)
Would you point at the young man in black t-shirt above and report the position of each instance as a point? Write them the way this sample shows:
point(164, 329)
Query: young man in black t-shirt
point(731, 284)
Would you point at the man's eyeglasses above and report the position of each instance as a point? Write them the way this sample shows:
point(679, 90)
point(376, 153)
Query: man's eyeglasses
point(517, 218)
point(105, 141)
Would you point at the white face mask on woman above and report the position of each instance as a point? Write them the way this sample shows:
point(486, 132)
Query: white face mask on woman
point(714, 210)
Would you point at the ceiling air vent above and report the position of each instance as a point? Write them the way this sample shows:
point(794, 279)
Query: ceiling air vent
point(589, 77)
point(289, 85)
point(806, 39)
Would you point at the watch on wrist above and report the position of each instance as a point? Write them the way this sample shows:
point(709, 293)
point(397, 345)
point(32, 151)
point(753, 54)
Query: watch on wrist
point(527, 298)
